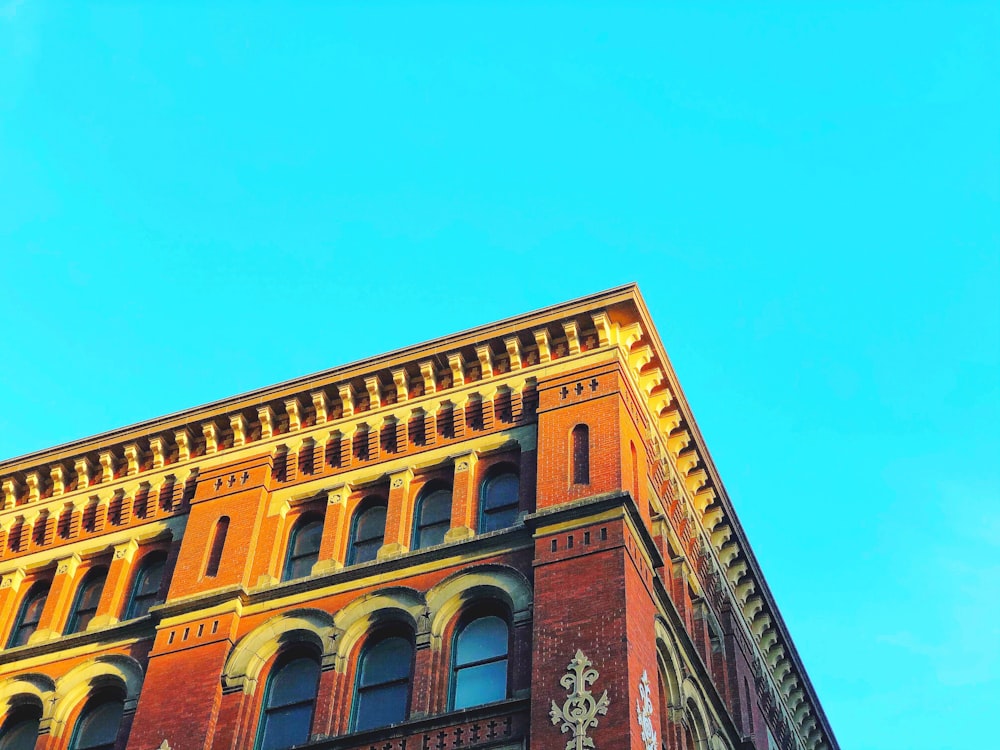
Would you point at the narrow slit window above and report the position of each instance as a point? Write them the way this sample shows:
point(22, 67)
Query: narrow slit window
point(218, 544)
point(581, 454)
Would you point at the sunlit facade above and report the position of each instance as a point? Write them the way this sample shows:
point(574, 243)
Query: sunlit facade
point(509, 537)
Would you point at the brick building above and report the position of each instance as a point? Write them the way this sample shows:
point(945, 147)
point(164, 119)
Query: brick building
point(508, 537)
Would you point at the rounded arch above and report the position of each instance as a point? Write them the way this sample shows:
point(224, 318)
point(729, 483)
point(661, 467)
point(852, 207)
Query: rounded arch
point(255, 649)
point(27, 689)
point(354, 621)
point(696, 711)
point(108, 671)
point(447, 598)
point(669, 659)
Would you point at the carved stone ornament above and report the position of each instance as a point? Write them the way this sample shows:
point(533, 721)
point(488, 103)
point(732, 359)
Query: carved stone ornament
point(7, 582)
point(397, 483)
point(644, 712)
point(62, 568)
point(163, 746)
point(579, 711)
point(462, 466)
point(334, 499)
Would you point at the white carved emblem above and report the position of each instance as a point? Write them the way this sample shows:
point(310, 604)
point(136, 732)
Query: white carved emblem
point(579, 711)
point(644, 711)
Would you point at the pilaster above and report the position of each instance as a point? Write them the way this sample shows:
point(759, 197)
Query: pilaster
point(464, 504)
point(116, 585)
point(398, 513)
point(331, 548)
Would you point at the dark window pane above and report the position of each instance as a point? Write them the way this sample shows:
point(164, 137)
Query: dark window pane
point(87, 599)
point(480, 684)
point(31, 613)
point(485, 638)
point(20, 731)
point(146, 590)
point(431, 535)
point(386, 661)
point(499, 502)
point(288, 704)
point(98, 726)
point(434, 519)
point(284, 727)
point(381, 706)
point(307, 538)
point(303, 550)
point(371, 523)
point(504, 518)
point(500, 491)
point(369, 532)
point(436, 507)
point(294, 682)
point(383, 690)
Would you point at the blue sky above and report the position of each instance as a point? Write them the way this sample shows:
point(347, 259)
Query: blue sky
point(196, 202)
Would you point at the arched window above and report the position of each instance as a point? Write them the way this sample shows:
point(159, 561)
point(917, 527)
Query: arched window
point(289, 700)
point(498, 502)
point(87, 598)
point(479, 662)
point(303, 548)
point(369, 531)
point(581, 454)
point(20, 730)
point(98, 725)
point(382, 692)
point(146, 589)
point(29, 615)
point(432, 517)
point(218, 545)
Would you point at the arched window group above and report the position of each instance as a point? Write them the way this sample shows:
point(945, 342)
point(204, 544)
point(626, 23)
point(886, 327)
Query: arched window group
point(383, 678)
point(499, 507)
point(146, 591)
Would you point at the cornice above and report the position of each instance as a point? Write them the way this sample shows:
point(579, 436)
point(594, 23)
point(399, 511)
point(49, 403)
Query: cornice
point(691, 479)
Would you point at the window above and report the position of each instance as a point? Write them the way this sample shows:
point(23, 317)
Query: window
point(479, 662)
point(97, 728)
point(368, 533)
point(218, 544)
point(498, 502)
point(433, 517)
point(88, 596)
point(303, 548)
point(289, 699)
point(581, 454)
point(146, 589)
point(382, 694)
point(31, 612)
point(20, 730)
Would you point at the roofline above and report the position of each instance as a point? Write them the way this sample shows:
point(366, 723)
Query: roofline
point(618, 294)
